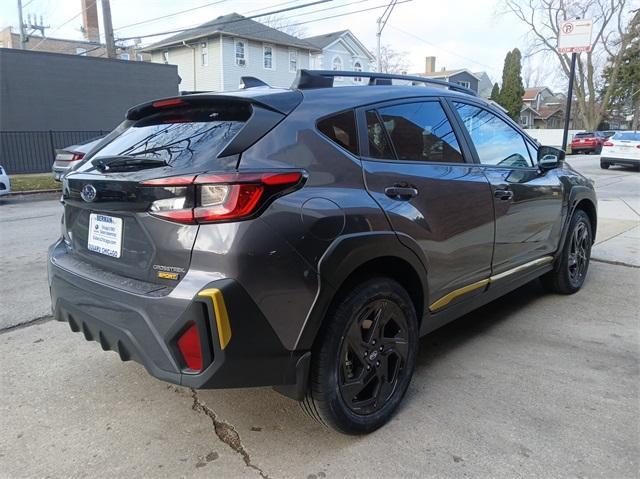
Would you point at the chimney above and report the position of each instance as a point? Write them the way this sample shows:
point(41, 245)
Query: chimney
point(430, 64)
point(90, 26)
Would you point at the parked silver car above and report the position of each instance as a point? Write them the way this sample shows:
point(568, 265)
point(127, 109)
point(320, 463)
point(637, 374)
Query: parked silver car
point(5, 182)
point(70, 156)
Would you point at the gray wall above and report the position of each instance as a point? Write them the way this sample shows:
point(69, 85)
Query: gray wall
point(50, 91)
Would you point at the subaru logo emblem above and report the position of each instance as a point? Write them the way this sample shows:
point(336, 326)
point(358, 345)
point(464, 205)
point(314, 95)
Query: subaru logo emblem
point(88, 193)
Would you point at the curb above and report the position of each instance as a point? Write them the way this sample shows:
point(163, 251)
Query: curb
point(33, 192)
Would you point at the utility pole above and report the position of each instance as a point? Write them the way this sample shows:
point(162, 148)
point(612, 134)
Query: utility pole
point(23, 37)
point(108, 29)
point(382, 22)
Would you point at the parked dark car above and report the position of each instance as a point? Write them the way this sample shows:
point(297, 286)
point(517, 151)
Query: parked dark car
point(588, 142)
point(305, 238)
point(71, 156)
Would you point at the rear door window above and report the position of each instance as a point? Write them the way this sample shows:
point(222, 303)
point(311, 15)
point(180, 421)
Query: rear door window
point(341, 129)
point(379, 146)
point(420, 131)
point(183, 138)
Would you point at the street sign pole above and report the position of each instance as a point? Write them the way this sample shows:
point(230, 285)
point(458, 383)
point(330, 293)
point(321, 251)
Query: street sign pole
point(567, 116)
point(574, 36)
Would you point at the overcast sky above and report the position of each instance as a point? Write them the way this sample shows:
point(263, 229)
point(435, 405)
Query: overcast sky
point(469, 34)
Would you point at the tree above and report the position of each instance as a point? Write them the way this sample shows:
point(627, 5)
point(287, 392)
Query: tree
point(544, 17)
point(285, 25)
point(495, 92)
point(392, 61)
point(625, 92)
point(512, 90)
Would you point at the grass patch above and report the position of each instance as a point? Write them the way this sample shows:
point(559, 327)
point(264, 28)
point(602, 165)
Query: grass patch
point(40, 181)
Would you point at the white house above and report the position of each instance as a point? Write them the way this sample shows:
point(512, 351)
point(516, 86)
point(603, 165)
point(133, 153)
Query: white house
point(340, 51)
point(213, 56)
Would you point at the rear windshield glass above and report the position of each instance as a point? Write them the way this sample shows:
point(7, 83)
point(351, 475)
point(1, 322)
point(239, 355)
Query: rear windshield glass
point(627, 135)
point(180, 137)
point(584, 135)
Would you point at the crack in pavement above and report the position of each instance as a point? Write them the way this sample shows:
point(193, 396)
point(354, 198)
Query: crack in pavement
point(615, 263)
point(225, 432)
point(26, 324)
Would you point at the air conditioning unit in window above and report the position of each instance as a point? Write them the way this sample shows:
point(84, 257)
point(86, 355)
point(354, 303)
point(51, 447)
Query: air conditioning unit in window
point(241, 62)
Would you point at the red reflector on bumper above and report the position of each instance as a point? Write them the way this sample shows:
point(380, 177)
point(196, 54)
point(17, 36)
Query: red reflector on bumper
point(189, 346)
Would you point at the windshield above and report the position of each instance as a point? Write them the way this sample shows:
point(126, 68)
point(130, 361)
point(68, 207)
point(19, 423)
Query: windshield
point(584, 135)
point(179, 137)
point(627, 135)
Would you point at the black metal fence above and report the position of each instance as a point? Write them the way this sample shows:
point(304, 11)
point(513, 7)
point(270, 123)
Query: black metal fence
point(34, 151)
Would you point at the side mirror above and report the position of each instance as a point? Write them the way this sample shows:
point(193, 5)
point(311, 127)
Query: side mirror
point(550, 157)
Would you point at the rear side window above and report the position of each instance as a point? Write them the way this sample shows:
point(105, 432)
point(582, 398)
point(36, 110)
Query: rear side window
point(421, 132)
point(181, 137)
point(341, 129)
point(626, 136)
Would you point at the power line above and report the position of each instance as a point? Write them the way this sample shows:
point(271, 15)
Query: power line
point(318, 19)
point(170, 15)
point(63, 24)
point(282, 10)
point(443, 49)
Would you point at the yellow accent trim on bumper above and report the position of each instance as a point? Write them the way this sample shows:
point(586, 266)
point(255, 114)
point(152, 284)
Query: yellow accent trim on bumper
point(222, 318)
point(442, 302)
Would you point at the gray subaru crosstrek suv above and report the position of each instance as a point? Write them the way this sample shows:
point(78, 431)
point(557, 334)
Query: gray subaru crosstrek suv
point(305, 238)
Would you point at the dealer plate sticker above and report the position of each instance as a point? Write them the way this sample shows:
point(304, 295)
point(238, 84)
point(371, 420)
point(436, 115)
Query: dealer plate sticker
point(105, 235)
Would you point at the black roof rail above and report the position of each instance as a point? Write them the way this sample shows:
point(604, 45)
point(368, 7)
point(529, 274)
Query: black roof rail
point(308, 79)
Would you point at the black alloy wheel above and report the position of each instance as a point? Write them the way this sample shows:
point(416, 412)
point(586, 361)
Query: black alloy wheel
point(364, 357)
point(373, 354)
point(579, 249)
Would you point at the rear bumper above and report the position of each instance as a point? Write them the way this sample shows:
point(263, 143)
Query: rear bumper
point(145, 328)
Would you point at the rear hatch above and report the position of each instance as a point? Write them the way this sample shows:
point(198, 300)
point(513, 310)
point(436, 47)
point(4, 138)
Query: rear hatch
point(114, 201)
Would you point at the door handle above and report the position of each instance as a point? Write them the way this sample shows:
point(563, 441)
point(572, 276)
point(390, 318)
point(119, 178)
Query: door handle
point(503, 195)
point(401, 192)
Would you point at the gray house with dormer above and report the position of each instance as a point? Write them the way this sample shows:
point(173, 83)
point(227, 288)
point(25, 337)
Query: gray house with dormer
point(340, 51)
point(214, 55)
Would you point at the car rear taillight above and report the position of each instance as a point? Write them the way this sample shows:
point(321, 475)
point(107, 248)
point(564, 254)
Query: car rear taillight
point(607, 143)
point(189, 346)
point(221, 197)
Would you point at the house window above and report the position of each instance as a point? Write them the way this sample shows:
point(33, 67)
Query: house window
point(293, 61)
point(464, 83)
point(241, 53)
point(81, 51)
point(139, 57)
point(357, 67)
point(267, 57)
point(165, 56)
point(124, 56)
point(336, 63)
point(524, 121)
point(204, 54)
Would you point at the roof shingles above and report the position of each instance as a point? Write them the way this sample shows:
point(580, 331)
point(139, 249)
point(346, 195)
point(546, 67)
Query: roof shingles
point(234, 24)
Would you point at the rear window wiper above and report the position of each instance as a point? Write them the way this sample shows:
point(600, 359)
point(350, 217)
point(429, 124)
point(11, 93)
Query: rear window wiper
point(126, 163)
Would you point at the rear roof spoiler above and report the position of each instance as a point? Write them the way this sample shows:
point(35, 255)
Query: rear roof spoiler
point(280, 101)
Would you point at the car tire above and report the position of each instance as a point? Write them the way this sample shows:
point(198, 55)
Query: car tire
point(571, 267)
point(604, 166)
point(364, 357)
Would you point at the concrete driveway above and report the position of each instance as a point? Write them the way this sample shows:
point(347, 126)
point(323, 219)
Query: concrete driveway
point(533, 385)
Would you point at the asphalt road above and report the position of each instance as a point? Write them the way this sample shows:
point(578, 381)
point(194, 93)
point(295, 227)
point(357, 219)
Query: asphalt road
point(533, 385)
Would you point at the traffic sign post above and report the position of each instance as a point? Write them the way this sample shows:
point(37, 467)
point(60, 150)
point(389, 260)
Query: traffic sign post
point(574, 36)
